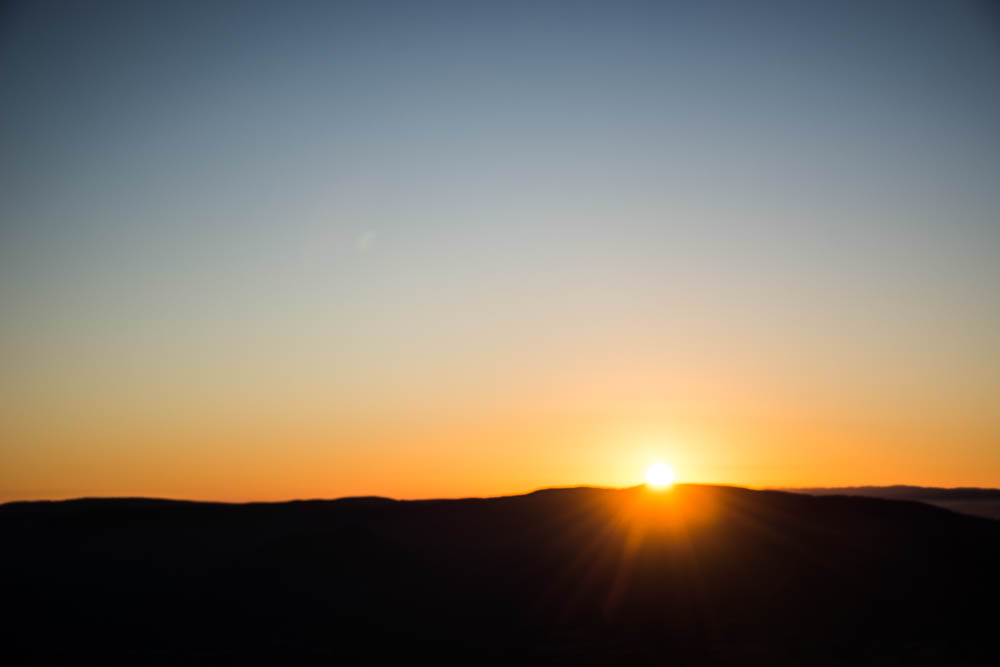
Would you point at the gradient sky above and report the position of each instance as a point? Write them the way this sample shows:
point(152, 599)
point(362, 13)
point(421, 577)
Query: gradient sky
point(279, 250)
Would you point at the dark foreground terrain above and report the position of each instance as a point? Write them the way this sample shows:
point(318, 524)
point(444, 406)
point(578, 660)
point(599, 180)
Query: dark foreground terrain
point(698, 575)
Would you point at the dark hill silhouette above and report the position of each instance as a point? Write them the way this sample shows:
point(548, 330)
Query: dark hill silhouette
point(968, 500)
point(699, 575)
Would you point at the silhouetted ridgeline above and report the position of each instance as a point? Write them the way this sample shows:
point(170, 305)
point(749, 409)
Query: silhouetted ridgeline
point(698, 575)
point(980, 502)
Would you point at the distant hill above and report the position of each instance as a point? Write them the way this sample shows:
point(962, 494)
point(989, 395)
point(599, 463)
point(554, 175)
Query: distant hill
point(979, 502)
point(699, 575)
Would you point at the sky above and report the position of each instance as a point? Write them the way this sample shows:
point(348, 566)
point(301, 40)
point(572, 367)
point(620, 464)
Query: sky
point(271, 250)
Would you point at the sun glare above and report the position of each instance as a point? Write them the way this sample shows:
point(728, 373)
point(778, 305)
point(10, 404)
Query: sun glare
point(659, 475)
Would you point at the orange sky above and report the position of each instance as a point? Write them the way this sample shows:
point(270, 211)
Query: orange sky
point(469, 440)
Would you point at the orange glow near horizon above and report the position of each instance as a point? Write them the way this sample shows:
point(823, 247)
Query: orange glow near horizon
point(265, 457)
point(273, 437)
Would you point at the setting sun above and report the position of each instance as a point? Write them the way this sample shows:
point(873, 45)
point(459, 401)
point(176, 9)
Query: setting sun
point(659, 475)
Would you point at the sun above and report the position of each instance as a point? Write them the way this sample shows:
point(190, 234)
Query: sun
point(659, 475)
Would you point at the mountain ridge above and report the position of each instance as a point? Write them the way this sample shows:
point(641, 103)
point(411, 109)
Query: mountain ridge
point(977, 501)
